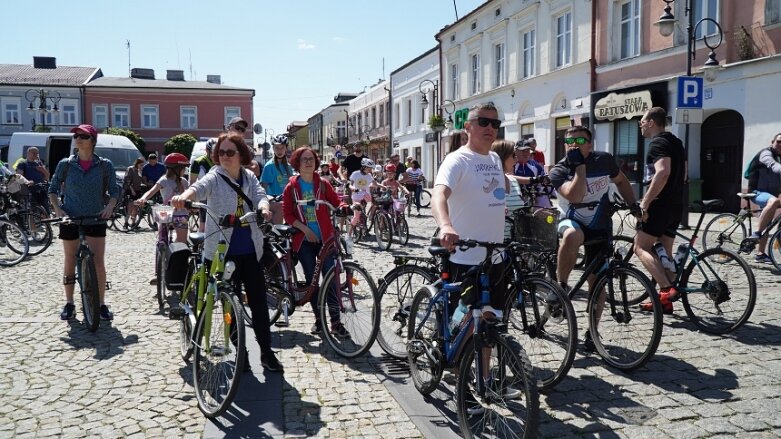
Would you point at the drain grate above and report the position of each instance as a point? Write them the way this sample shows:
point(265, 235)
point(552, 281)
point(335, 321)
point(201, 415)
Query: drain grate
point(390, 365)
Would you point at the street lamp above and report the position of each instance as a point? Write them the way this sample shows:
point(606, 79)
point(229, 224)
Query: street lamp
point(42, 96)
point(437, 110)
point(666, 25)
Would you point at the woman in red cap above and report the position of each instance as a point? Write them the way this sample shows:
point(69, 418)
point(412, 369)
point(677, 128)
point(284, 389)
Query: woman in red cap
point(82, 181)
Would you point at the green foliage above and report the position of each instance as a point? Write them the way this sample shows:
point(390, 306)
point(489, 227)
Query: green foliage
point(39, 128)
point(131, 135)
point(181, 143)
point(436, 121)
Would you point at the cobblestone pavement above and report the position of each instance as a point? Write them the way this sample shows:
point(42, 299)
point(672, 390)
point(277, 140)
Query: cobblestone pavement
point(127, 380)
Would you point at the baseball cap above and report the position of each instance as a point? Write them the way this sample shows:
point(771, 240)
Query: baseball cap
point(88, 129)
point(236, 120)
point(522, 144)
point(152, 156)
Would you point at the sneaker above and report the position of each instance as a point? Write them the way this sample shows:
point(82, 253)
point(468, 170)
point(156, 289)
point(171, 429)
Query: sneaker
point(507, 393)
point(153, 281)
point(317, 329)
point(475, 410)
point(588, 343)
point(666, 300)
point(68, 311)
point(270, 363)
point(339, 331)
point(762, 258)
point(105, 314)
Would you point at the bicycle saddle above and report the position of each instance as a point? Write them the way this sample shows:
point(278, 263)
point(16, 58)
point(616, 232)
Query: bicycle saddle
point(747, 196)
point(196, 238)
point(712, 203)
point(438, 251)
point(284, 230)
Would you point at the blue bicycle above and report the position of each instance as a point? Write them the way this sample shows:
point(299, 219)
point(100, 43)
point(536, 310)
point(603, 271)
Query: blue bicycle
point(496, 395)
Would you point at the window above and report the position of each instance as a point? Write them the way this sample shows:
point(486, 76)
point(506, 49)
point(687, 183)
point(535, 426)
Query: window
point(454, 82)
point(499, 78)
point(12, 111)
point(772, 11)
point(409, 112)
point(120, 116)
point(529, 43)
point(702, 9)
point(374, 118)
point(423, 110)
point(626, 149)
point(630, 29)
point(230, 113)
point(69, 114)
point(100, 116)
point(150, 116)
point(397, 112)
point(189, 117)
point(387, 111)
point(564, 39)
point(382, 115)
point(475, 73)
point(527, 130)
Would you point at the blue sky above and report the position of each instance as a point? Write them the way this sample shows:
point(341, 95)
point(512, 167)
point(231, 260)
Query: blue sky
point(296, 54)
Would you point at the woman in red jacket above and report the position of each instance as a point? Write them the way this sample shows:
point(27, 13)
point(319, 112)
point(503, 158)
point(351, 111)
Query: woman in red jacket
point(315, 224)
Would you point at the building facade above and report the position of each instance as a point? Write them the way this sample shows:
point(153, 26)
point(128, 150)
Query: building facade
point(369, 123)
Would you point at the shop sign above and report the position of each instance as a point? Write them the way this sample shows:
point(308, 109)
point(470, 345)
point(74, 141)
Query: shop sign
point(616, 105)
point(431, 137)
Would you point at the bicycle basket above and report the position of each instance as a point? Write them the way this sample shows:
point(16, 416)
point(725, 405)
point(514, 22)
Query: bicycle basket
point(537, 227)
point(399, 204)
point(163, 214)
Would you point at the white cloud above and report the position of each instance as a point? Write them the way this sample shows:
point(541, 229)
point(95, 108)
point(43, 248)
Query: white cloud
point(303, 45)
point(339, 39)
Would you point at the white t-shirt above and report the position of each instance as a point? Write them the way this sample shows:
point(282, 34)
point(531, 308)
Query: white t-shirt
point(477, 199)
point(168, 188)
point(361, 182)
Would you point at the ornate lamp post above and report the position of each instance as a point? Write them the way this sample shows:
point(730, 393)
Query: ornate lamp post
point(666, 26)
point(42, 96)
point(437, 111)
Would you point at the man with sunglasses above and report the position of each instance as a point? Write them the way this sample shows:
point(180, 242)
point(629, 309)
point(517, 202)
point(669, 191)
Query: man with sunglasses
point(662, 204)
point(582, 180)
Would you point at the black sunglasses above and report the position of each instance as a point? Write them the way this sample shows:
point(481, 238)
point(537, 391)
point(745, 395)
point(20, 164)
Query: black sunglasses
point(82, 136)
point(578, 140)
point(484, 121)
point(227, 152)
point(239, 128)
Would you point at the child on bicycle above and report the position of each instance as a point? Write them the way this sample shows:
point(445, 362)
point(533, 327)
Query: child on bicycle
point(170, 184)
point(362, 182)
point(397, 189)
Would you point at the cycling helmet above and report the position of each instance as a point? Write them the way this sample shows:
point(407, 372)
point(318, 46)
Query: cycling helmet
point(367, 163)
point(210, 144)
point(390, 167)
point(175, 159)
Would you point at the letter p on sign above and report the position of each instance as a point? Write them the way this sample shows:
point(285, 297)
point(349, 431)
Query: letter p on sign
point(690, 90)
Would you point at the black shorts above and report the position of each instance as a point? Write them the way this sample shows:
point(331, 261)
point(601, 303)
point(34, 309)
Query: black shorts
point(663, 219)
point(497, 275)
point(592, 250)
point(70, 232)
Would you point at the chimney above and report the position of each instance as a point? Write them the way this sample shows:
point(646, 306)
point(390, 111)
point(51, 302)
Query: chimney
point(44, 62)
point(174, 75)
point(139, 73)
point(214, 79)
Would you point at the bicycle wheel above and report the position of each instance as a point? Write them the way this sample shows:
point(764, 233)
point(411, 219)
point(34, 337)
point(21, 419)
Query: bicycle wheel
point(424, 352)
point(275, 294)
point(219, 354)
point(123, 221)
point(160, 264)
point(383, 231)
point(402, 231)
point(186, 325)
point(14, 245)
point(725, 230)
point(510, 406)
point(39, 233)
point(720, 291)
point(774, 249)
point(425, 198)
point(397, 289)
point(624, 336)
point(90, 295)
point(544, 322)
point(353, 297)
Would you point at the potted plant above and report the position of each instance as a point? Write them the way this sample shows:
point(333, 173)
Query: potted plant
point(436, 123)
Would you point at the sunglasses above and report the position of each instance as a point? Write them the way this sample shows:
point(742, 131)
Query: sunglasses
point(82, 136)
point(484, 121)
point(239, 128)
point(227, 152)
point(578, 140)
point(307, 159)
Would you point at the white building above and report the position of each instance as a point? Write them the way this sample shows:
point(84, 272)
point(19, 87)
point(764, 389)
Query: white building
point(369, 121)
point(530, 58)
point(328, 133)
point(412, 136)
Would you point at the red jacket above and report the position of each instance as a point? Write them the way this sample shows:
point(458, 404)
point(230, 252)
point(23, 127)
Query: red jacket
point(292, 211)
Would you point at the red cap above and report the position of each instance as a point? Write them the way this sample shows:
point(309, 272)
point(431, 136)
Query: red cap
point(87, 129)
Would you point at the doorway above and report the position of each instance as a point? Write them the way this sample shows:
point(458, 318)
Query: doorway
point(721, 158)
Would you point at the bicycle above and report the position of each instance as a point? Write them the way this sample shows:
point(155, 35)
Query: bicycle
point(735, 232)
point(347, 286)
point(710, 293)
point(425, 199)
point(86, 273)
point(217, 340)
point(495, 394)
point(124, 222)
point(164, 248)
point(18, 209)
point(14, 245)
point(383, 220)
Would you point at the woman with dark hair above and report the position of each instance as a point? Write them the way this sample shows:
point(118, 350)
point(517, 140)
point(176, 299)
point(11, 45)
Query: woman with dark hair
point(457, 140)
point(134, 185)
point(245, 242)
point(315, 223)
point(274, 177)
point(413, 180)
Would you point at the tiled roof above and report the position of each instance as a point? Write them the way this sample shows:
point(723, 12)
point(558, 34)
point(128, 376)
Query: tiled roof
point(159, 83)
point(66, 76)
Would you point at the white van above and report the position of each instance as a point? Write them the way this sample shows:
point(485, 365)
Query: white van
point(53, 147)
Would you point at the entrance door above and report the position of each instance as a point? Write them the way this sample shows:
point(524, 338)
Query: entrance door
point(721, 158)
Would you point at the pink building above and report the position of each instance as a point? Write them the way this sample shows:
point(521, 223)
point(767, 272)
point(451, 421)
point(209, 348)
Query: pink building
point(158, 109)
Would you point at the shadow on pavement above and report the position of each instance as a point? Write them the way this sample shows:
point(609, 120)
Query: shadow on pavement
point(107, 341)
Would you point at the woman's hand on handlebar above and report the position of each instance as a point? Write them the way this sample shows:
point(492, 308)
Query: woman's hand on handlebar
point(178, 201)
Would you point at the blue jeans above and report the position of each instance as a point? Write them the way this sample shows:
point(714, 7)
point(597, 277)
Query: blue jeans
point(416, 191)
point(307, 255)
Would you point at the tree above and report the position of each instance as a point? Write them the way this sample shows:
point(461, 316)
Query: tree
point(181, 143)
point(131, 135)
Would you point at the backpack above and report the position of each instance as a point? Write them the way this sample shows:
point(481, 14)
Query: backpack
point(102, 164)
point(753, 166)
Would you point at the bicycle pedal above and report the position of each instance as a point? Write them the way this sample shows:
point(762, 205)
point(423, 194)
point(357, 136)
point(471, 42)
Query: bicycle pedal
point(282, 324)
point(176, 314)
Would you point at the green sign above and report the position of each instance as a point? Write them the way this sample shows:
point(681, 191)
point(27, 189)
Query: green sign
point(459, 117)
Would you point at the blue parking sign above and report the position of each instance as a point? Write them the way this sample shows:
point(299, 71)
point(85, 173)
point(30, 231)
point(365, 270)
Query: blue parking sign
point(690, 90)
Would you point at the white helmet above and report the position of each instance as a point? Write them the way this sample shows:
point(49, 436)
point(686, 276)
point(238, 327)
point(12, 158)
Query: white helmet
point(367, 163)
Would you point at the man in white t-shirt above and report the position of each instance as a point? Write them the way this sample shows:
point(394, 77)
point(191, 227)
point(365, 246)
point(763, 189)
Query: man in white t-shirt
point(468, 199)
